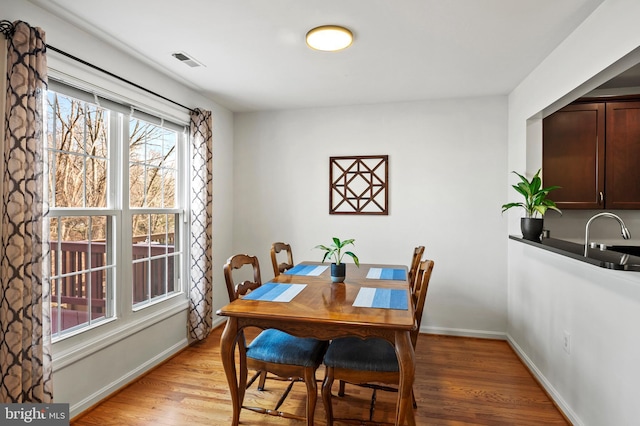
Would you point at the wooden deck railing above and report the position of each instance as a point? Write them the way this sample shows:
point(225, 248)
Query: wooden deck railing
point(75, 296)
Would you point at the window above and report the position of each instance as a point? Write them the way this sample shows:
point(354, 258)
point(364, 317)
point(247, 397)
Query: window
point(115, 211)
point(152, 199)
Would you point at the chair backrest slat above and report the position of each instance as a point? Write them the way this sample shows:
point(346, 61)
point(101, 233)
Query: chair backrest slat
point(280, 267)
point(413, 268)
point(422, 285)
point(236, 262)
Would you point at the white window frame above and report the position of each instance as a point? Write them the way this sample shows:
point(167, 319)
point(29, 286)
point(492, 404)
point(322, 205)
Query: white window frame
point(128, 320)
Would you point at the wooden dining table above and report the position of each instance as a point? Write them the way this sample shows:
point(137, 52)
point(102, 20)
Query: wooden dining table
point(325, 310)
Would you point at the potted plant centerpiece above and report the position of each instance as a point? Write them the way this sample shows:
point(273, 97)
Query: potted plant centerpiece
point(336, 252)
point(535, 203)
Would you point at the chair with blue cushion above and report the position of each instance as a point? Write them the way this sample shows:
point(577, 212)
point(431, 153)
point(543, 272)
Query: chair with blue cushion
point(281, 267)
point(372, 361)
point(276, 352)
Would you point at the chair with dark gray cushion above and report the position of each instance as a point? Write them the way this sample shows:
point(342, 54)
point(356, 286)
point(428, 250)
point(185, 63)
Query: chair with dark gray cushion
point(372, 361)
point(416, 258)
point(280, 267)
point(283, 355)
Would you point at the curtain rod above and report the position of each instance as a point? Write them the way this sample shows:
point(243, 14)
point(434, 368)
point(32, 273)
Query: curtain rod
point(95, 67)
point(7, 28)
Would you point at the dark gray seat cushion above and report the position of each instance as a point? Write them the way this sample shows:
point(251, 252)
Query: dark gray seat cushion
point(281, 348)
point(353, 353)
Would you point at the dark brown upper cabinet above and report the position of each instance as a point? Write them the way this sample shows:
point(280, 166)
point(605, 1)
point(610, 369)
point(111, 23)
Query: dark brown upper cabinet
point(622, 155)
point(592, 150)
point(573, 152)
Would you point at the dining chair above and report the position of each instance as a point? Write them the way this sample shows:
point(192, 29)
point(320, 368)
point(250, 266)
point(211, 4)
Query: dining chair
point(416, 258)
point(279, 268)
point(287, 357)
point(371, 361)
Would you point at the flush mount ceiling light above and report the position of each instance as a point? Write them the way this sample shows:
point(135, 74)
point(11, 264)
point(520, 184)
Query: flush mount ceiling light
point(329, 38)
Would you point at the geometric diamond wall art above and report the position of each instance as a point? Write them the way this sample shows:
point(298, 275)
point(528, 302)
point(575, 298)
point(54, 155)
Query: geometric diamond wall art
point(359, 185)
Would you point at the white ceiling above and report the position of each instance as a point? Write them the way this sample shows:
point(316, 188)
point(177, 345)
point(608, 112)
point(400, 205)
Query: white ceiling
point(256, 58)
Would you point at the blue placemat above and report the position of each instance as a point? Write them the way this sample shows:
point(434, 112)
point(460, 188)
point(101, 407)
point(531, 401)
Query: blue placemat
point(308, 270)
point(387, 298)
point(387, 274)
point(272, 292)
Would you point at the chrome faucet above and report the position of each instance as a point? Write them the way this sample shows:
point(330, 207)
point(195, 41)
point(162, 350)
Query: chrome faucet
point(623, 228)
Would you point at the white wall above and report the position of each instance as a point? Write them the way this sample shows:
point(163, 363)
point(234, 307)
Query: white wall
point(446, 161)
point(107, 363)
point(596, 384)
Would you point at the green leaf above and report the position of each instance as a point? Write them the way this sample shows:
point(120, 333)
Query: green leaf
point(347, 242)
point(522, 178)
point(522, 189)
point(550, 188)
point(540, 209)
point(506, 207)
point(536, 184)
point(354, 257)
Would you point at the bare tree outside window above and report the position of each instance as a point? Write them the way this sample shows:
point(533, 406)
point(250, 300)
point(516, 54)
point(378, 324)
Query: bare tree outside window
point(152, 185)
point(82, 217)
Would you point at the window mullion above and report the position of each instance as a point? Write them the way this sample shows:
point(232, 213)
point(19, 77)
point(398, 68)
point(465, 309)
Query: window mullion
point(125, 283)
point(84, 157)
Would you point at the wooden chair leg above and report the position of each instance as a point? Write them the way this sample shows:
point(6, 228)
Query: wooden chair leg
point(263, 379)
point(341, 390)
point(243, 373)
point(312, 393)
point(326, 394)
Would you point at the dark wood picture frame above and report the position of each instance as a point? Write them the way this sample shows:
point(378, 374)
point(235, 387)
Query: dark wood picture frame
point(359, 185)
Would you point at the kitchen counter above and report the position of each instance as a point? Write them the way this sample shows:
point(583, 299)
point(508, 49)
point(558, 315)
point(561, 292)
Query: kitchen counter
point(608, 258)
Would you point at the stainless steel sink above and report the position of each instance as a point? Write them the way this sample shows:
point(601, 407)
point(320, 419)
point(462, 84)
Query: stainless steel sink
point(630, 250)
point(616, 254)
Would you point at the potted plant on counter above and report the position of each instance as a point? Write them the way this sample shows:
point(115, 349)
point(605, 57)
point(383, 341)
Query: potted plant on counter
point(336, 251)
point(535, 203)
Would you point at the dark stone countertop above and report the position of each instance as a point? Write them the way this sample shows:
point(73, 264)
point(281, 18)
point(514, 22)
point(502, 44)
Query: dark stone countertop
point(609, 258)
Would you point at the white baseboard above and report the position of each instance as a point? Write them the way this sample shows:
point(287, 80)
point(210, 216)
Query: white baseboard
point(462, 332)
point(132, 375)
point(557, 398)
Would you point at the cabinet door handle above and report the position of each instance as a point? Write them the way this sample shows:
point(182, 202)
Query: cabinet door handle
point(601, 197)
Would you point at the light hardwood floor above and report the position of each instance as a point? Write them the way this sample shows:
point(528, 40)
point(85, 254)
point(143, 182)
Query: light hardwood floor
point(459, 381)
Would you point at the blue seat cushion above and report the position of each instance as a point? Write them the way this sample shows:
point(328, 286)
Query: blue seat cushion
point(352, 353)
point(281, 348)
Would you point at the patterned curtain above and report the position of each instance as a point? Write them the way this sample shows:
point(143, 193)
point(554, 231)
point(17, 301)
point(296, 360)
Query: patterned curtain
point(201, 287)
point(25, 323)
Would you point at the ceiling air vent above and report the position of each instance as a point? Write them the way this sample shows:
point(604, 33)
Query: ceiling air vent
point(186, 59)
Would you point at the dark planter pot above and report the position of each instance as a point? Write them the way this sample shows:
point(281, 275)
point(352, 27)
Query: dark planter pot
point(338, 272)
point(531, 228)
